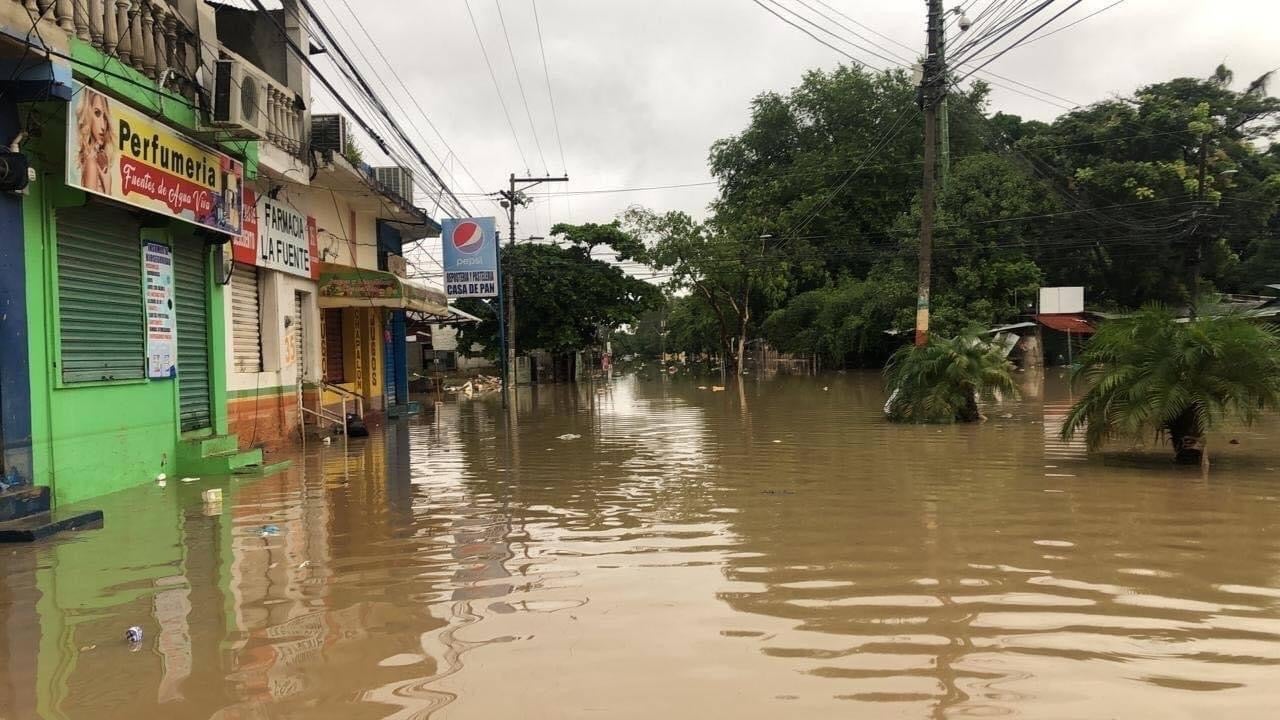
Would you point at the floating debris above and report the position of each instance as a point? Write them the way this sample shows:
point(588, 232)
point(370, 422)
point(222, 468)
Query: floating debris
point(270, 530)
point(568, 436)
point(133, 635)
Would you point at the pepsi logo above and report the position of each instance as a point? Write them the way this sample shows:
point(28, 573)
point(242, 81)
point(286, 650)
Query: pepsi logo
point(468, 237)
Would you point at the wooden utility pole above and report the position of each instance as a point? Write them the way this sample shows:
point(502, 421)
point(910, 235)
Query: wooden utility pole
point(932, 90)
point(511, 199)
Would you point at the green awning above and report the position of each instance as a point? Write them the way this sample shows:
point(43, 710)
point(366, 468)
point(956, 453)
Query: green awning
point(345, 286)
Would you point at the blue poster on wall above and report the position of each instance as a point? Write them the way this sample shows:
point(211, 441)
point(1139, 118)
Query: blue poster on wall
point(470, 257)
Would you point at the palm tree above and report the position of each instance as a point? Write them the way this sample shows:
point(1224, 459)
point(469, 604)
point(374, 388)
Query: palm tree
point(1154, 373)
point(942, 381)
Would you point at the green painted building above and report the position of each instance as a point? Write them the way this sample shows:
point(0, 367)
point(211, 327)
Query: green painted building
point(126, 231)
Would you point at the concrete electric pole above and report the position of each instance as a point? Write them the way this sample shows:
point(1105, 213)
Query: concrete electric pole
point(933, 87)
point(511, 199)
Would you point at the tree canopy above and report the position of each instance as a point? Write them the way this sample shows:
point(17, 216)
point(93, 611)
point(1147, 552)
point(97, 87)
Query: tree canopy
point(1163, 194)
point(565, 296)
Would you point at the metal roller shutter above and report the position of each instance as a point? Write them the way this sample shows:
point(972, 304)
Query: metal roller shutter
point(102, 322)
point(246, 319)
point(299, 337)
point(190, 292)
point(334, 371)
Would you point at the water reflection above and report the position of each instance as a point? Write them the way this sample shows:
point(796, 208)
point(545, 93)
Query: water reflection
point(649, 549)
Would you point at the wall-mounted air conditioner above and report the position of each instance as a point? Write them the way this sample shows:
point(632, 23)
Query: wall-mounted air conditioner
point(241, 97)
point(329, 133)
point(398, 180)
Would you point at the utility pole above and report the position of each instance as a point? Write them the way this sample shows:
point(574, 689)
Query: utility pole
point(933, 88)
point(944, 113)
point(511, 199)
point(1198, 233)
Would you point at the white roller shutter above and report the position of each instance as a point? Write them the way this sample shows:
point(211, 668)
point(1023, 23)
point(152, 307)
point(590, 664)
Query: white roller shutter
point(246, 319)
point(299, 337)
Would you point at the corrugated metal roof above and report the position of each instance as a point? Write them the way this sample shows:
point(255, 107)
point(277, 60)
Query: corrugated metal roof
point(247, 4)
point(1066, 323)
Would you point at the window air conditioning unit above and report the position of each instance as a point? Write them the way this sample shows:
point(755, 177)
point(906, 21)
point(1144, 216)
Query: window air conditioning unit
point(398, 180)
point(329, 133)
point(240, 98)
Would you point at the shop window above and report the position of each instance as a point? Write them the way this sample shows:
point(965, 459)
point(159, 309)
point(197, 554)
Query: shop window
point(101, 318)
point(333, 356)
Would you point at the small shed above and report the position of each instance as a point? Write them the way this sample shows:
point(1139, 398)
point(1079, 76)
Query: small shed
point(1063, 334)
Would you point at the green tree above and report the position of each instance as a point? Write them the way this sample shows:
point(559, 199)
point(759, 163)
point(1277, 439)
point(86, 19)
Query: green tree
point(942, 381)
point(843, 324)
point(564, 296)
point(1155, 374)
point(1163, 186)
point(730, 267)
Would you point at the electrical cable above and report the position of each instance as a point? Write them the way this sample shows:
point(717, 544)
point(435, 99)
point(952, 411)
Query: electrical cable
point(537, 23)
point(497, 88)
point(773, 12)
point(1064, 27)
point(364, 86)
point(1040, 27)
point(533, 129)
point(444, 162)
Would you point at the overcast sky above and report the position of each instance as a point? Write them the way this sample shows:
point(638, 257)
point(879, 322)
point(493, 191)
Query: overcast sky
point(643, 87)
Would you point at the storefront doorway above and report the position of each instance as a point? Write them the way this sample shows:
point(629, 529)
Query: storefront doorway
point(190, 269)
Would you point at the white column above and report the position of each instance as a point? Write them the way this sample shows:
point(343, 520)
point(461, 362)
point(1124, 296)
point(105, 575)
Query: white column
point(97, 14)
point(125, 43)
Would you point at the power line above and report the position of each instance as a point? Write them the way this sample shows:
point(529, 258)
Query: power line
point(1070, 104)
point(1064, 27)
point(363, 85)
point(846, 28)
point(341, 100)
point(1040, 27)
point(411, 95)
point(497, 88)
point(774, 13)
point(550, 95)
point(807, 173)
point(515, 65)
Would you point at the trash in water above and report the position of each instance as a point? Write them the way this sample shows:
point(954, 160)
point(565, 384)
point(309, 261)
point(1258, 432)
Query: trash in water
point(269, 530)
point(161, 477)
point(717, 388)
point(568, 436)
point(133, 635)
point(304, 564)
point(327, 440)
point(87, 648)
point(189, 479)
point(212, 495)
point(702, 387)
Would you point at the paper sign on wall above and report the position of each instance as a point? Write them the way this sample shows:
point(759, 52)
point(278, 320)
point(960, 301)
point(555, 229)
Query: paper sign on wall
point(162, 355)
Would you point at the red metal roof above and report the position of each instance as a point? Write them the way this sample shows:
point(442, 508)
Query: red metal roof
point(1072, 323)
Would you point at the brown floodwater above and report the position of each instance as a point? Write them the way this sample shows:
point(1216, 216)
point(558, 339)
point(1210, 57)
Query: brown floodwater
point(648, 549)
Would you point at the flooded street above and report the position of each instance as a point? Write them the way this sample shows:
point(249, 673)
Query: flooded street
point(646, 549)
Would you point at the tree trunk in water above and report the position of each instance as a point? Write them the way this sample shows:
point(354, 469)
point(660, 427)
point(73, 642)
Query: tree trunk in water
point(970, 411)
point(1188, 441)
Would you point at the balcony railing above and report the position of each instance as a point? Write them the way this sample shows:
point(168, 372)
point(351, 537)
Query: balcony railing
point(148, 35)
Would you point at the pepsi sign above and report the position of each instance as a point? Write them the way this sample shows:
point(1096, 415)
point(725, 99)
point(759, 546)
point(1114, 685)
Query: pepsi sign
point(470, 257)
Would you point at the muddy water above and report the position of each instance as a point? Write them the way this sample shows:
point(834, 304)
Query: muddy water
point(779, 552)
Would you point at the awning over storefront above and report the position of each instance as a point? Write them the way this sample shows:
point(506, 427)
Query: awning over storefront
point(345, 286)
point(1070, 323)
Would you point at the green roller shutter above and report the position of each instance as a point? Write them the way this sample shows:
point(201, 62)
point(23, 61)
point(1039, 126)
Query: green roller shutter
point(100, 304)
point(190, 305)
